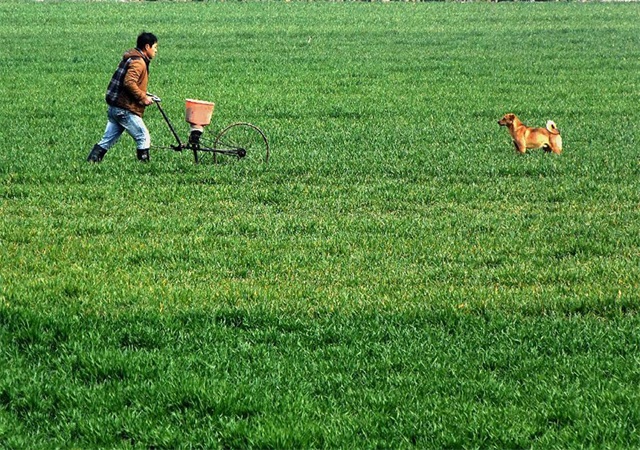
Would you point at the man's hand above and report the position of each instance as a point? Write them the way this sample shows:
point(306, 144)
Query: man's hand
point(147, 101)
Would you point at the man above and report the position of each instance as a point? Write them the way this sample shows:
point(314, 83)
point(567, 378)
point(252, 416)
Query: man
point(127, 99)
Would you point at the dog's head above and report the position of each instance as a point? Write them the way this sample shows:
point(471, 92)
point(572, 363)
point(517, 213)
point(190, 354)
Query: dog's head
point(507, 120)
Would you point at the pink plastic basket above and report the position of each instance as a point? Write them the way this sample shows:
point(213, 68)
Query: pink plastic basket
point(199, 112)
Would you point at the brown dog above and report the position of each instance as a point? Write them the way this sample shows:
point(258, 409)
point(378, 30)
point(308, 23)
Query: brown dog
point(525, 137)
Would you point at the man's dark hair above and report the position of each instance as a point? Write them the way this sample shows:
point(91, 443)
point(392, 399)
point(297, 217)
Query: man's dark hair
point(146, 39)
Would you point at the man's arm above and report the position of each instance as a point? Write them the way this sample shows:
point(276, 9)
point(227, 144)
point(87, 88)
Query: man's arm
point(136, 69)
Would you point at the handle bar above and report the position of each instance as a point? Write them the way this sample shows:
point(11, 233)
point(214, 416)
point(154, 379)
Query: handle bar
point(154, 97)
point(157, 101)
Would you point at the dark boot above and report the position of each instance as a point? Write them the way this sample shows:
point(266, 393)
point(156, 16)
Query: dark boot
point(97, 153)
point(143, 155)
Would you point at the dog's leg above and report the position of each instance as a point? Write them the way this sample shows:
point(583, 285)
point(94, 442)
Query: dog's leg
point(520, 147)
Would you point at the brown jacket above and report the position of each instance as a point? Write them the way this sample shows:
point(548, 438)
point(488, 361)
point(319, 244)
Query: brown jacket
point(134, 84)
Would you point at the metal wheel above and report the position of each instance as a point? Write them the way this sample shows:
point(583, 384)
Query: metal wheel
point(243, 141)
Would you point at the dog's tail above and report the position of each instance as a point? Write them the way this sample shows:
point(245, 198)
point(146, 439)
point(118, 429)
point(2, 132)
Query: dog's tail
point(552, 127)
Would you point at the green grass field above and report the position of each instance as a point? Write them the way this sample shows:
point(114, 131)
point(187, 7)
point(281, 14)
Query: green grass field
point(396, 276)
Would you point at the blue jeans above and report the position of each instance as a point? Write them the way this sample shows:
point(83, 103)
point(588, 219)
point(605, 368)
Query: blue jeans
point(121, 120)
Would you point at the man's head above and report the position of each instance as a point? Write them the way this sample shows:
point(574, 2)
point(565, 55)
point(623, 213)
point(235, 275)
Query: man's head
point(148, 44)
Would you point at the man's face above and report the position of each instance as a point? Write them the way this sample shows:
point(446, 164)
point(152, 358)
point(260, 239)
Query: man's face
point(151, 50)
